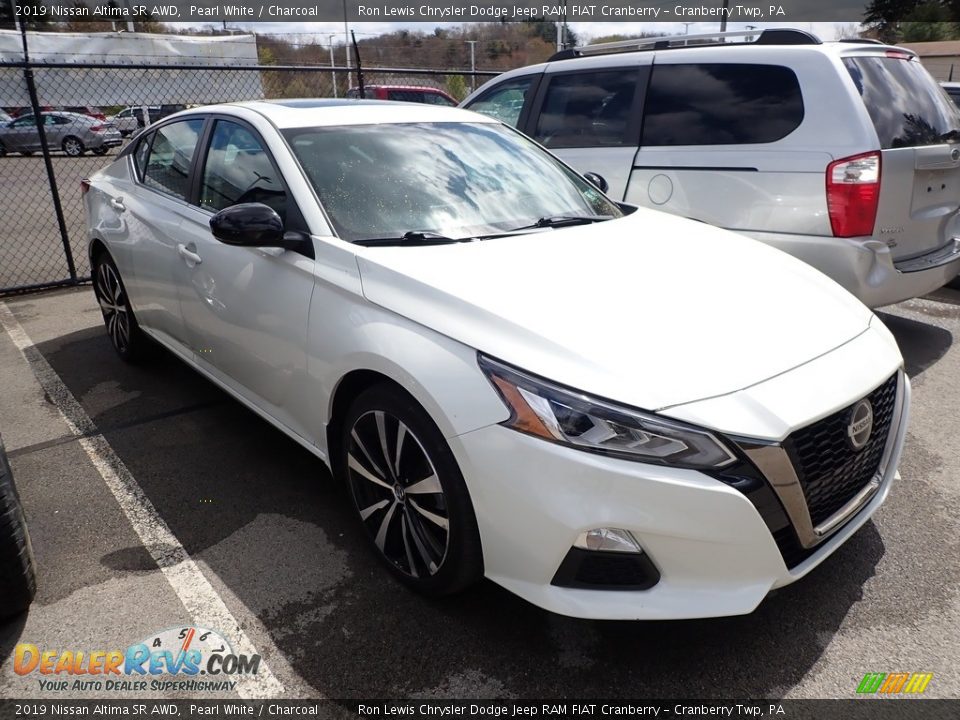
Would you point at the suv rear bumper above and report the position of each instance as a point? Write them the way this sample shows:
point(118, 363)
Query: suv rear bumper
point(867, 269)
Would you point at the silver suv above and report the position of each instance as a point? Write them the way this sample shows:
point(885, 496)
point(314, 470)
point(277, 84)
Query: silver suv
point(844, 154)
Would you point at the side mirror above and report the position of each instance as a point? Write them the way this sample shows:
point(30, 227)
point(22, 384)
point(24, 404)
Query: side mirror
point(252, 225)
point(597, 181)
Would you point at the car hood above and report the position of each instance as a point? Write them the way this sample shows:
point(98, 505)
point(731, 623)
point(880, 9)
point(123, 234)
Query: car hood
point(650, 310)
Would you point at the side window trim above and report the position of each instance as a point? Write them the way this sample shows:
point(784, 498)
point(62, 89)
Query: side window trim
point(634, 122)
point(294, 220)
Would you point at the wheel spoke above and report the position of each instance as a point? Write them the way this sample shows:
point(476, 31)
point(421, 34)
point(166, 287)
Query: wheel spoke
point(435, 519)
point(428, 485)
point(355, 465)
point(366, 453)
point(405, 531)
point(367, 512)
point(381, 537)
point(401, 434)
point(382, 432)
point(418, 541)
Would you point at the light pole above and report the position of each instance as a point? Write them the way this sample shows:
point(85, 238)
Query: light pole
point(686, 28)
point(473, 64)
point(333, 74)
point(723, 16)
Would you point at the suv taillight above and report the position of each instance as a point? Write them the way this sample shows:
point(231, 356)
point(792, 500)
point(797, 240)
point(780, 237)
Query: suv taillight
point(96, 128)
point(853, 191)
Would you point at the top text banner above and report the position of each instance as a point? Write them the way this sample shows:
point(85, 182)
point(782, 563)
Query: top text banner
point(734, 11)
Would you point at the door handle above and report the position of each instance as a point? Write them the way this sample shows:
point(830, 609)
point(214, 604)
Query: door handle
point(117, 204)
point(188, 255)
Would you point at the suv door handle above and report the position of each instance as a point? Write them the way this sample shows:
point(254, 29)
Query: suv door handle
point(117, 204)
point(188, 255)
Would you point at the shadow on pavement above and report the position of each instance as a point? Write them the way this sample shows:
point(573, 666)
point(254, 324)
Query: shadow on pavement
point(266, 518)
point(921, 344)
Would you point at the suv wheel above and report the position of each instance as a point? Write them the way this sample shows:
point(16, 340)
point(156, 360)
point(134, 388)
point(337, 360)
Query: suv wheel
point(17, 577)
point(409, 492)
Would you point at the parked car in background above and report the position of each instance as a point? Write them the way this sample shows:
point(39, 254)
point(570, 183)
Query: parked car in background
point(4, 118)
point(404, 93)
point(130, 119)
point(611, 411)
point(88, 110)
point(70, 132)
point(844, 154)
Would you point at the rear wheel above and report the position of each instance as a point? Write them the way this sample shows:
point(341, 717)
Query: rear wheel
point(3, 150)
point(101, 151)
point(17, 577)
point(73, 147)
point(409, 492)
point(125, 334)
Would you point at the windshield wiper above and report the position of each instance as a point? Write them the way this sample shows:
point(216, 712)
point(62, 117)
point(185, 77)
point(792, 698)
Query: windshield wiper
point(413, 237)
point(552, 221)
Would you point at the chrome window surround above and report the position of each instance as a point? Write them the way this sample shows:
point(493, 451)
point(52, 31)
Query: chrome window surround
point(772, 460)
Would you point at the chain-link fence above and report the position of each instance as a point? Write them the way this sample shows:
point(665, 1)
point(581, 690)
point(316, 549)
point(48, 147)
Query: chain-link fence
point(42, 231)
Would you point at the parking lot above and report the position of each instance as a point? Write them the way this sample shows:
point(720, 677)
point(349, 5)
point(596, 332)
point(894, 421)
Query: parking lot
point(122, 467)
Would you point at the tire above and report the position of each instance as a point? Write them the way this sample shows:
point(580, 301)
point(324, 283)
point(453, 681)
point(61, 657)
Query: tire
point(3, 150)
point(27, 153)
point(404, 509)
point(101, 151)
point(72, 146)
point(128, 340)
point(17, 576)
point(955, 283)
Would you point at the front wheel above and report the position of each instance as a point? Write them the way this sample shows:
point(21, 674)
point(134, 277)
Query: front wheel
point(17, 576)
point(125, 334)
point(73, 147)
point(409, 492)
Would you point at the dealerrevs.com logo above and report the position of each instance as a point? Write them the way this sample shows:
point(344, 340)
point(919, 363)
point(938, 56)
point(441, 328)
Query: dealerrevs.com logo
point(192, 659)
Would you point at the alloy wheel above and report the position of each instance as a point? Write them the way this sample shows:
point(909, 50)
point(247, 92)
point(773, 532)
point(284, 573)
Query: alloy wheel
point(398, 494)
point(72, 147)
point(113, 305)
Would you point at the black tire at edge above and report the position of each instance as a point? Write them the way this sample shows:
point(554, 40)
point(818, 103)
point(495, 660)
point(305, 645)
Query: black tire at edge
point(17, 575)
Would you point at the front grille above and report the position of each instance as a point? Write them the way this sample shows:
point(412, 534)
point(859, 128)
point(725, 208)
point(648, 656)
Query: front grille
point(831, 472)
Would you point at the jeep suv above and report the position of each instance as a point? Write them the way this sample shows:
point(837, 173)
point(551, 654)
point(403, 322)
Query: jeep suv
point(844, 154)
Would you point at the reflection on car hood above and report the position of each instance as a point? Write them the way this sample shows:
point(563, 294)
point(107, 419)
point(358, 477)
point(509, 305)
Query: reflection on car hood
point(650, 310)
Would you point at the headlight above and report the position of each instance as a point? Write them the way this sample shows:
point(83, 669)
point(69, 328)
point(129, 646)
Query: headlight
point(540, 408)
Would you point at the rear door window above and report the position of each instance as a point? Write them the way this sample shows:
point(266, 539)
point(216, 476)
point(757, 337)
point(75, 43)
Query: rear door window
point(588, 109)
point(907, 107)
point(171, 156)
point(721, 104)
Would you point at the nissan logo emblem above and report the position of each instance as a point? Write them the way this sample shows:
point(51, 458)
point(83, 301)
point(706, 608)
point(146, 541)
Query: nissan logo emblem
point(861, 425)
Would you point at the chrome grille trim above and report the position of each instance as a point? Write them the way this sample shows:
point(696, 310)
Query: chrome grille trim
point(773, 461)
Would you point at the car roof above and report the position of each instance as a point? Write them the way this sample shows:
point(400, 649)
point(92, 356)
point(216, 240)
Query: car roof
point(330, 112)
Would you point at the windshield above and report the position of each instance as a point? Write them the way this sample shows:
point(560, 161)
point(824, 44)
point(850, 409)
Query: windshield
point(906, 105)
point(458, 180)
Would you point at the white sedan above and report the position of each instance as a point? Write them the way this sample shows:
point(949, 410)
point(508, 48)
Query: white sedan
point(610, 411)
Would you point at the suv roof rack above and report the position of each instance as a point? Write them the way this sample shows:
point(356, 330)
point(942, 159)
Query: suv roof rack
point(776, 36)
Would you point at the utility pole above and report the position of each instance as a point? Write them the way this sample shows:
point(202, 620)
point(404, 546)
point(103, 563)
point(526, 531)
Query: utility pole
point(346, 43)
point(686, 28)
point(13, 11)
point(333, 75)
point(473, 64)
point(723, 16)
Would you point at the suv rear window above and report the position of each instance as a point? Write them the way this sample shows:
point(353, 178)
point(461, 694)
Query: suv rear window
point(906, 105)
point(721, 104)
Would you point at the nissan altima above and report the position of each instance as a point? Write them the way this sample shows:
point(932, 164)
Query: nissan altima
point(610, 411)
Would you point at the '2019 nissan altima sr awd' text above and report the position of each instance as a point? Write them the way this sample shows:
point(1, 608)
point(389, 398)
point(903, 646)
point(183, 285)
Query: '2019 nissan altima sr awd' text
point(610, 411)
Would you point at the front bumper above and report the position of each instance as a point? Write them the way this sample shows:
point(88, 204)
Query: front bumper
point(867, 269)
point(714, 552)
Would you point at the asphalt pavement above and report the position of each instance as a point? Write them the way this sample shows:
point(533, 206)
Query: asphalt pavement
point(177, 503)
